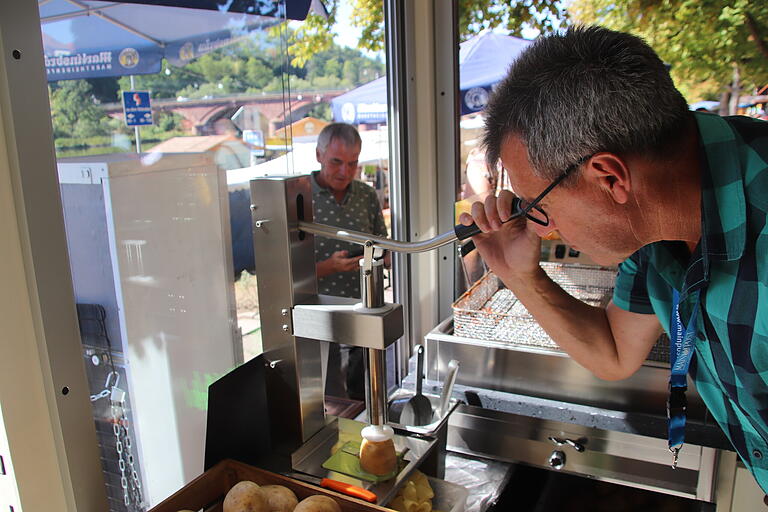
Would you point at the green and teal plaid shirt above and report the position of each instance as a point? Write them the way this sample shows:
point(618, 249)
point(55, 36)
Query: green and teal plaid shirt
point(360, 211)
point(730, 267)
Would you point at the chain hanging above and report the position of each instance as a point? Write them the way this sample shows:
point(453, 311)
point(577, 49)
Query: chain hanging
point(107, 391)
point(129, 477)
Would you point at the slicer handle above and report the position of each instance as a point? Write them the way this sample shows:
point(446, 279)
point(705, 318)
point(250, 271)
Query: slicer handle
point(463, 232)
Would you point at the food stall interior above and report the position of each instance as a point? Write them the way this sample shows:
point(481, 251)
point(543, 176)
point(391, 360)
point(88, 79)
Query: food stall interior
point(518, 407)
point(517, 397)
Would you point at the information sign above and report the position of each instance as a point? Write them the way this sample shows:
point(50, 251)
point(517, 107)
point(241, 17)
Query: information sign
point(136, 108)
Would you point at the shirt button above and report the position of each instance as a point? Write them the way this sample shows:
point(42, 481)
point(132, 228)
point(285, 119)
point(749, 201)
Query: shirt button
point(757, 454)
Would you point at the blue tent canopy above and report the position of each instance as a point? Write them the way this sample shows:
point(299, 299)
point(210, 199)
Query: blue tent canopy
point(91, 39)
point(483, 62)
point(366, 104)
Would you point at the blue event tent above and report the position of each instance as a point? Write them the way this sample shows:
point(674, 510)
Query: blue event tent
point(91, 39)
point(483, 62)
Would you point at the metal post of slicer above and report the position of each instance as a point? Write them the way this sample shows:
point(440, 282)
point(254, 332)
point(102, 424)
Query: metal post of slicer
point(372, 295)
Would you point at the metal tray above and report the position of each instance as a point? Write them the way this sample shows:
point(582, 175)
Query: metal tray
point(309, 458)
point(490, 311)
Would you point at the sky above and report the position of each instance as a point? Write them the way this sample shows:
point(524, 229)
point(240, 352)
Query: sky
point(346, 34)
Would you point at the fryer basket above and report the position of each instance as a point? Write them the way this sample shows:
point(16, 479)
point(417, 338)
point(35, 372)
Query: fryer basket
point(490, 311)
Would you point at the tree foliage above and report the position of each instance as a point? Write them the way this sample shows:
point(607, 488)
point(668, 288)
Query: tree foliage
point(74, 112)
point(474, 15)
point(703, 41)
point(543, 15)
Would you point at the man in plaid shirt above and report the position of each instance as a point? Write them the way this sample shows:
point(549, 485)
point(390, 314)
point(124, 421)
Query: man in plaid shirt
point(601, 147)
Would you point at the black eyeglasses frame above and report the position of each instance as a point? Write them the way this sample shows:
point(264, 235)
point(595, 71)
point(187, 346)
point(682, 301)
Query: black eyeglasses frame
point(518, 210)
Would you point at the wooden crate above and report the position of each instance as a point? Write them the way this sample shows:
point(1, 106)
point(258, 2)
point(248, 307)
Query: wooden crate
point(207, 491)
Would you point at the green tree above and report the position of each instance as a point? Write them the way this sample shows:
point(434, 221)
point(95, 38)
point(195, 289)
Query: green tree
point(74, 112)
point(258, 73)
point(167, 125)
point(349, 73)
point(333, 68)
point(714, 47)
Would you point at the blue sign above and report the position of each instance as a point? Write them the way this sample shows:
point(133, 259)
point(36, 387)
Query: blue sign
point(255, 139)
point(136, 108)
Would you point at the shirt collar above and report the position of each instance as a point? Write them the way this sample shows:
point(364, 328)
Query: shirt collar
point(315, 185)
point(723, 206)
point(723, 212)
point(318, 188)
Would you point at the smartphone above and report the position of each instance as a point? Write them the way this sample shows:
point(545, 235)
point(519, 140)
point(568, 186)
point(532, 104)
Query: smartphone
point(354, 253)
point(358, 251)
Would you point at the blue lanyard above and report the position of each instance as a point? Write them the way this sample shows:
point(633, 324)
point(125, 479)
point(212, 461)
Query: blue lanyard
point(681, 351)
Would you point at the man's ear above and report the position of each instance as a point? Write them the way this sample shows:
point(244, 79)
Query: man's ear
point(609, 172)
point(317, 155)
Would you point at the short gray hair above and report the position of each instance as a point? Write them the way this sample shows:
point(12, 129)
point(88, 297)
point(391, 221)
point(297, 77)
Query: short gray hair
point(589, 89)
point(345, 132)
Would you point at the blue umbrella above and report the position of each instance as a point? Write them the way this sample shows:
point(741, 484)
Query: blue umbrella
point(483, 62)
point(366, 104)
point(91, 39)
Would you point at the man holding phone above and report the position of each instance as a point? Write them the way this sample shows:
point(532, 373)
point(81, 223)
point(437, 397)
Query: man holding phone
point(339, 200)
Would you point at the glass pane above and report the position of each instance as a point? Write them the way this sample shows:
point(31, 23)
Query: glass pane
point(158, 214)
point(349, 196)
point(485, 53)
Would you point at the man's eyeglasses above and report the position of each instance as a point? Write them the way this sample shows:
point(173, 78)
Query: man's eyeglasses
point(531, 210)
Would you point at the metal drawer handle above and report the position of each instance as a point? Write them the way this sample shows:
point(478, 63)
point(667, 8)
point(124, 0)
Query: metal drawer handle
point(570, 442)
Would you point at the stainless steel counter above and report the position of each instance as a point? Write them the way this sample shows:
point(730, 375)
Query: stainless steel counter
point(538, 407)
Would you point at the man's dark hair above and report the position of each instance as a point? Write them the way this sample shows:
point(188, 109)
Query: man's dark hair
point(589, 89)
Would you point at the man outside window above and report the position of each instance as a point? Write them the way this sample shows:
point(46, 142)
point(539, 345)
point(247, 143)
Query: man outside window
point(339, 200)
point(600, 146)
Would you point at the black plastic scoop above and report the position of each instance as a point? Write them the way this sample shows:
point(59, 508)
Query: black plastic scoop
point(416, 410)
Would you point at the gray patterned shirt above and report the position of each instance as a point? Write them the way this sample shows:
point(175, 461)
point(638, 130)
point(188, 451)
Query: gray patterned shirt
point(359, 210)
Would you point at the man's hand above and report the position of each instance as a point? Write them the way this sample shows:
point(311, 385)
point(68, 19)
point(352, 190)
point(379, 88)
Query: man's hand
point(510, 249)
point(338, 262)
point(609, 342)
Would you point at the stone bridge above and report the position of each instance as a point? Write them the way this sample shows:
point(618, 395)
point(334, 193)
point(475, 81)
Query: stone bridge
point(204, 116)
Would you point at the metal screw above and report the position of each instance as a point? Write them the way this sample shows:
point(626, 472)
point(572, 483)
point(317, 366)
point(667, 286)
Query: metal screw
point(285, 327)
point(16, 54)
point(253, 207)
point(284, 311)
point(757, 454)
point(557, 460)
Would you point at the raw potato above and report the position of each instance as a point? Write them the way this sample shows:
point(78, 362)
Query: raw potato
point(317, 503)
point(245, 496)
point(280, 498)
